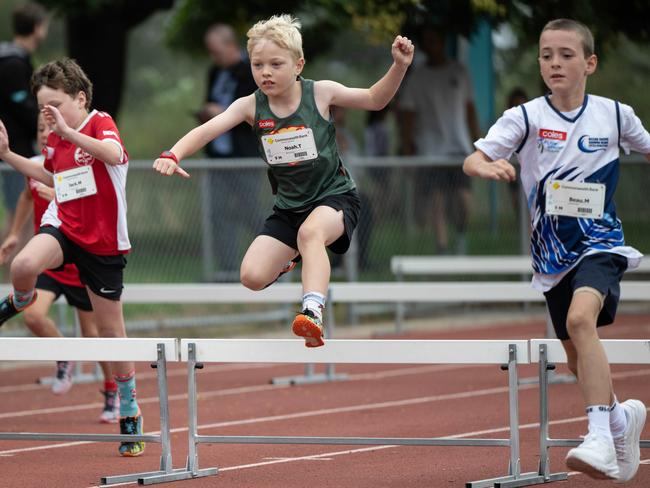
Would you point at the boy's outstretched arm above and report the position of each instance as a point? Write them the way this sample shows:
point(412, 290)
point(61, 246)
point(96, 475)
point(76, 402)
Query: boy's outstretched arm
point(241, 110)
point(378, 95)
point(30, 168)
point(107, 151)
point(478, 164)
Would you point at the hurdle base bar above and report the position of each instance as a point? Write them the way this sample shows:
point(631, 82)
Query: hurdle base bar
point(553, 379)
point(512, 481)
point(309, 379)
point(155, 477)
point(77, 379)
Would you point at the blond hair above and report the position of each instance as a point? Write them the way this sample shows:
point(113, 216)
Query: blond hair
point(574, 26)
point(283, 30)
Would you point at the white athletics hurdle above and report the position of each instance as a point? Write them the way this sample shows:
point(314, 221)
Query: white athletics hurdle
point(492, 265)
point(356, 292)
point(157, 351)
point(506, 353)
point(546, 352)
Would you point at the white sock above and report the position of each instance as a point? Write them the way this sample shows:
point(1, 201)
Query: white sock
point(598, 416)
point(314, 301)
point(617, 419)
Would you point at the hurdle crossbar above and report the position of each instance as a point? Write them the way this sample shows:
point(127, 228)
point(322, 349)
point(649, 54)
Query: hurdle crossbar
point(155, 350)
point(391, 292)
point(546, 352)
point(506, 353)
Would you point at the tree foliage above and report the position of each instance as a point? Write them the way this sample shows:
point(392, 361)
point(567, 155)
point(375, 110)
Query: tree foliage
point(323, 20)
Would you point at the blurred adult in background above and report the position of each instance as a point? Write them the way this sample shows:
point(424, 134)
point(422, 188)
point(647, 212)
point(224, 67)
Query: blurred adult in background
point(439, 119)
point(18, 107)
point(233, 192)
point(376, 142)
point(349, 147)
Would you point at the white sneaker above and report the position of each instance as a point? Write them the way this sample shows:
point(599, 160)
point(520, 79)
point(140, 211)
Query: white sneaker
point(111, 412)
point(63, 377)
point(627, 446)
point(596, 457)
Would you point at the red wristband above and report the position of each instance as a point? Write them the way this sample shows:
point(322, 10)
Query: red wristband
point(169, 155)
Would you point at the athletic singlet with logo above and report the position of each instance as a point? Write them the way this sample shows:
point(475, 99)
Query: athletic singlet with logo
point(300, 183)
point(97, 223)
point(582, 146)
point(69, 275)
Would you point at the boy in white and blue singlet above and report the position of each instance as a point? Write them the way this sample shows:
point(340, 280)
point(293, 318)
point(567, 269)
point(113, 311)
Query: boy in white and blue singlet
point(316, 204)
point(568, 146)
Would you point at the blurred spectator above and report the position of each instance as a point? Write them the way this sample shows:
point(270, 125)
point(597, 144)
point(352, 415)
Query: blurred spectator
point(348, 146)
point(377, 142)
point(18, 107)
point(235, 218)
point(439, 119)
point(516, 97)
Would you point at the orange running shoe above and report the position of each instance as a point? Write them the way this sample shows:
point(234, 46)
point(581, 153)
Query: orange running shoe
point(307, 325)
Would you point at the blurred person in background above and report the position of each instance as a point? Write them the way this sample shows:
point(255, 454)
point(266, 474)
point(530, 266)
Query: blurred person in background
point(233, 192)
point(516, 97)
point(18, 107)
point(348, 146)
point(438, 118)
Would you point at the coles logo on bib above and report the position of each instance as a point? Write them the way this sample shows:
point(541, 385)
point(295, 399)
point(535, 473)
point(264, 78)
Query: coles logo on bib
point(82, 158)
point(266, 124)
point(552, 134)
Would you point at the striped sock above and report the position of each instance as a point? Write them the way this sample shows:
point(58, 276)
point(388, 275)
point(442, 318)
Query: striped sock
point(314, 301)
point(22, 298)
point(126, 388)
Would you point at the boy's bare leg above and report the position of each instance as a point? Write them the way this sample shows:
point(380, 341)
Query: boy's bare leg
point(264, 261)
point(110, 323)
point(596, 456)
point(40, 253)
point(591, 363)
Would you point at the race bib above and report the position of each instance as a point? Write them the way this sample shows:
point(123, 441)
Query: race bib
point(574, 199)
point(290, 147)
point(74, 183)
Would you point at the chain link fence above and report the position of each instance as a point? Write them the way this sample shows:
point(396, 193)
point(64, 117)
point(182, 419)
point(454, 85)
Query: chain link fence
point(198, 230)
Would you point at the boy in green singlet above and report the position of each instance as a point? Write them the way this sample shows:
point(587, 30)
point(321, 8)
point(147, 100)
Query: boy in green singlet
point(316, 203)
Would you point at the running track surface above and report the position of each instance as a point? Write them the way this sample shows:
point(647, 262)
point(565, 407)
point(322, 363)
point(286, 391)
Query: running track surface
point(376, 401)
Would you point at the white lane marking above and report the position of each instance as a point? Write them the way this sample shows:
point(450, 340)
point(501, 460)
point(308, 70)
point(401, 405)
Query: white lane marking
point(148, 375)
point(232, 391)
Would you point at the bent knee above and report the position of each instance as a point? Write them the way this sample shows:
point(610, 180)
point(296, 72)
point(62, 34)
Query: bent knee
point(580, 323)
point(24, 265)
point(310, 233)
point(253, 279)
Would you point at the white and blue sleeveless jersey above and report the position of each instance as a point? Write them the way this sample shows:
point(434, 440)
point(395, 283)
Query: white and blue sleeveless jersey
point(580, 146)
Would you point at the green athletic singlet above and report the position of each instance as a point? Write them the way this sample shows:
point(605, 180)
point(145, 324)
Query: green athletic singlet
point(300, 151)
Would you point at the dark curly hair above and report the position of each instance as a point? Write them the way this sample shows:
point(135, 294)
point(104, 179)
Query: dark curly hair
point(64, 74)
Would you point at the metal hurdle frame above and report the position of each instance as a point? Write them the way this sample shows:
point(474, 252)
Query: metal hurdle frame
point(355, 351)
point(549, 351)
point(104, 349)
